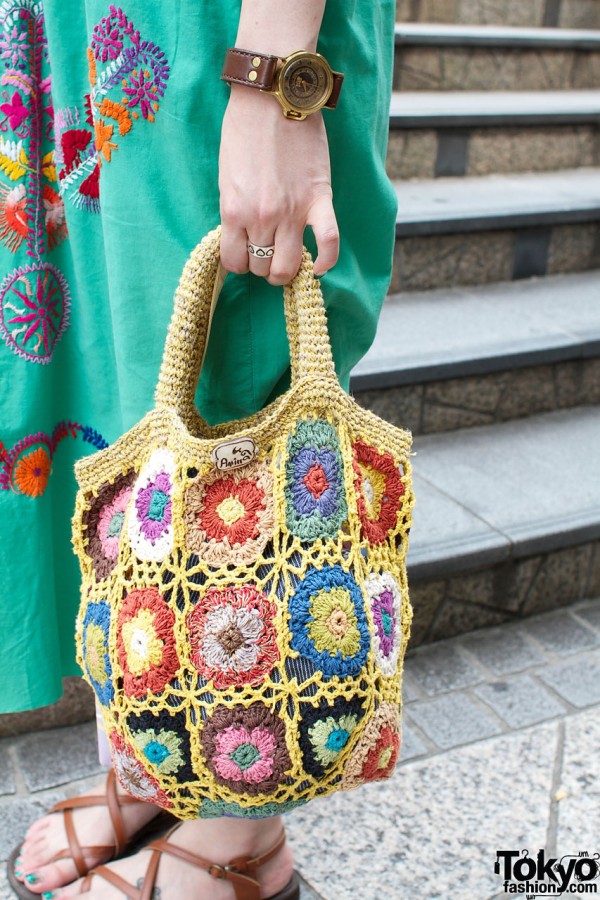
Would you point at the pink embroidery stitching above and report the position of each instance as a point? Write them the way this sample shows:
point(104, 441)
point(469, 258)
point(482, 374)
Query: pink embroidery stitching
point(35, 298)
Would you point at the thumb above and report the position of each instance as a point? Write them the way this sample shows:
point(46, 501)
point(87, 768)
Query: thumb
point(323, 222)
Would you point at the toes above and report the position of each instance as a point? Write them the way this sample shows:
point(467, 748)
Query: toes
point(44, 879)
point(70, 890)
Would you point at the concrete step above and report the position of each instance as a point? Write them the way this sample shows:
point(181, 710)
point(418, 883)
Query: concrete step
point(463, 357)
point(477, 230)
point(448, 133)
point(506, 520)
point(473, 58)
point(531, 13)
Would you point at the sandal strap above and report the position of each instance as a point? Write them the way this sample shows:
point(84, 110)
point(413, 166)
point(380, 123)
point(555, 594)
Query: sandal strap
point(239, 871)
point(130, 891)
point(109, 799)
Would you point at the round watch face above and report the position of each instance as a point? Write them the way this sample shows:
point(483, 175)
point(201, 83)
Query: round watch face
point(305, 83)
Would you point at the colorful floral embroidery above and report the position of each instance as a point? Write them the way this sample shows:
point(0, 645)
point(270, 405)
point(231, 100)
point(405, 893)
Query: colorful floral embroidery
point(33, 310)
point(26, 468)
point(385, 598)
point(34, 298)
point(119, 62)
point(328, 622)
point(232, 635)
point(326, 732)
point(132, 775)
point(229, 518)
point(96, 627)
point(163, 741)
point(316, 502)
point(379, 490)
point(146, 643)
point(377, 751)
point(245, 748)
point(103, 523)
point(150, 524)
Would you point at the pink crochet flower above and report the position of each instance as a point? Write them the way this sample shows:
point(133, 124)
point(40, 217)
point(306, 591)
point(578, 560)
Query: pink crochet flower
point(110, 523)
point(245, 755)
point(246, 748)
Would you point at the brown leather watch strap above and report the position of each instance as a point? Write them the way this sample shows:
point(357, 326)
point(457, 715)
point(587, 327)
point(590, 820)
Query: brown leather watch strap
point(240, 63)
point(240, 67)
point(335, 90)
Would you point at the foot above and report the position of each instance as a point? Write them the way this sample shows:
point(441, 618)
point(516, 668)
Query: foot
point(218, 841)
point(47, 837)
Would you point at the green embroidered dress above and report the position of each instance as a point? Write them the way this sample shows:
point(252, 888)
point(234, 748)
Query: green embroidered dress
point(110, 123)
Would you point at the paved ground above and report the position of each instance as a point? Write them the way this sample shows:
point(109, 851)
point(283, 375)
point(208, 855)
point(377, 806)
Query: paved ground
point(500, 752)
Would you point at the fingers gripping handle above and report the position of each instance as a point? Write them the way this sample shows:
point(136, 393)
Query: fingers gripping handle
point(195, 300)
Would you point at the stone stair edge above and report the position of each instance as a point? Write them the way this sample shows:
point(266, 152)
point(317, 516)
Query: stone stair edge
point(494, 327)
point(460, 204)
point(463, 503)
point(485, 109)
point(509, 36)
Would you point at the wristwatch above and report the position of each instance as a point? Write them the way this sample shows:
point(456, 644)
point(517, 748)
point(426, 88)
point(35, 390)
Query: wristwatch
point(303, 82)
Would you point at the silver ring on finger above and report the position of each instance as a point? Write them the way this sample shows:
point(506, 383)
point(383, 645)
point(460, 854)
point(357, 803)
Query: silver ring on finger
point(260, 252)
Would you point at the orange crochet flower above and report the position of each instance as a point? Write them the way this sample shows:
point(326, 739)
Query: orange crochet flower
point(32, 472)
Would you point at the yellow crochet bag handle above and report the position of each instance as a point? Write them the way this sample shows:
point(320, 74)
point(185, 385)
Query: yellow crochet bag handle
point(195, 298)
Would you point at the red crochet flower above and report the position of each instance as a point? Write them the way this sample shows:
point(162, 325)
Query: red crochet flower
point(229, 518)
point(232, 635)
point(379, 488)
point(146, 643)
point(376, 754)
point(231, 510)
point(382, 758)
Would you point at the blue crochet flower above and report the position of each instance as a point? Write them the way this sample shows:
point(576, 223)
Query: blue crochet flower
point(96, 626)
point(328, 622)
point(316, 501)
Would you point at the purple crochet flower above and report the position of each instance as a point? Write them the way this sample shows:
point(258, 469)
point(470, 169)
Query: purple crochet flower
point(384, 617)
point(153, 504)
point(316, 482)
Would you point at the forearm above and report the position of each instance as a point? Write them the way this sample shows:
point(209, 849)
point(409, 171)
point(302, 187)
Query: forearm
point(280, 27)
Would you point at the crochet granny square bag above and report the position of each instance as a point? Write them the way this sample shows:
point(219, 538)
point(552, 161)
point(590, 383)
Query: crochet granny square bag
point(244, 604)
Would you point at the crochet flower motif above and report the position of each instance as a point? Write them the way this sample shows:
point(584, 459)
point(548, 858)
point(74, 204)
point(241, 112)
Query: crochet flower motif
point(132, 775)
point(229, 518)
point(161, 748)
point(316, 502)
point(232, 635)
point(377, 751)
point(163, 742)
point(103, 522)
point(326, 733)
point(328, 622)
point(150, 523)
point(379, 490)
point(245, 748)
point(96, 659)
point(146, 643)
point(386, 606)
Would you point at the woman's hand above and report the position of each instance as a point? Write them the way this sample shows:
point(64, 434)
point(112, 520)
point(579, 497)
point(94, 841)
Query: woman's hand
point(274, 179)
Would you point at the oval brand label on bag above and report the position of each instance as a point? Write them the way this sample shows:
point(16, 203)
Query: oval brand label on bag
point(233, 454)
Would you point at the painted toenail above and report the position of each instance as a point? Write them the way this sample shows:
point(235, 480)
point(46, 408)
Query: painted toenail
point(18, 873)
point(32, 878)
point(48, 895)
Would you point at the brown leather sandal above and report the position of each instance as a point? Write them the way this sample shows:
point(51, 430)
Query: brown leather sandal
point(240, 871)
point(75, 851)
